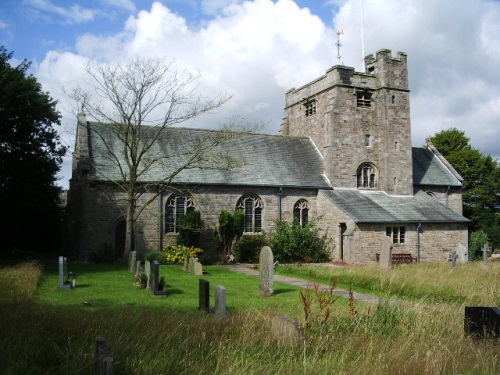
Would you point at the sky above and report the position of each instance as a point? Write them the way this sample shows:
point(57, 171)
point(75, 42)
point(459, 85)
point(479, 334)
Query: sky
point(256, 50)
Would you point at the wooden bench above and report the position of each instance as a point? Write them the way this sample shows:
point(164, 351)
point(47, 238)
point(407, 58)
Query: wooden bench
point(402, 258)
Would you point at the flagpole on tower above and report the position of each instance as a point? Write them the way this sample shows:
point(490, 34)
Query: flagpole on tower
point(362, 38)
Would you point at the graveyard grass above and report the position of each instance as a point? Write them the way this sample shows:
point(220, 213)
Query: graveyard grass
point(46, 330)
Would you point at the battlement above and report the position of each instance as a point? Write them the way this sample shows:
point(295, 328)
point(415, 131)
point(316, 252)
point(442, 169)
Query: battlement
point(391, 71)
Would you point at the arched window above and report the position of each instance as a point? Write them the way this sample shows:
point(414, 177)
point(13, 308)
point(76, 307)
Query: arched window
point(177, 205)
point(367, 176)
point(252, 205)
point(301, 212)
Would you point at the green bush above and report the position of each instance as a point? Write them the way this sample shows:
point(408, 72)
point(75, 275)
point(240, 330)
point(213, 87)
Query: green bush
point(155, 255)
point(189, 228)
point(231, 227)
point(476, 243)
point(293, 243)
point(248, 248)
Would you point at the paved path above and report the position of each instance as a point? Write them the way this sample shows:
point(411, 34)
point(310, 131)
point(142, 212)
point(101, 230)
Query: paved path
point(304, 283)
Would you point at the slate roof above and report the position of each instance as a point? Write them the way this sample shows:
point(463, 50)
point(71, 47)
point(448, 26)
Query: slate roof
point(265, 160)
point(379, 207)
point(428, 169)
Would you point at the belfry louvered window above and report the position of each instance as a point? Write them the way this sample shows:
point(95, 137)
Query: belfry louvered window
point(310, 108)
point(252, 206)
point(176, 206)
point(363, 100)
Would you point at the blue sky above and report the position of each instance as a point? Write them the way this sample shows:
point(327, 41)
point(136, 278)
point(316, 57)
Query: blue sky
point(258, 49)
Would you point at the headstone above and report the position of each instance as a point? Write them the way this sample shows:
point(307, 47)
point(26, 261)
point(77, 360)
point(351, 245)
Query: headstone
point(147, 272)
point(486, 251)
point(186, 262)
point(155, 280)
point(386, 253)
point(198, 269)
point(103, 358)
point(204, 295)
point(482, 322)
point(266, 271)
point(287, 331)
point(138, 267)
point(63, 272)
point(190, 265)
point(453, 259)
point(132, 262)
point(461, 251)
point(220, 301)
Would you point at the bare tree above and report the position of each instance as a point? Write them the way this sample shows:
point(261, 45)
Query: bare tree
point(138, 100)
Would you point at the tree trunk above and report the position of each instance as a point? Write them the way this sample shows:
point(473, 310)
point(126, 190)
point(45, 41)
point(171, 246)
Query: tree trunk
point(129, 233)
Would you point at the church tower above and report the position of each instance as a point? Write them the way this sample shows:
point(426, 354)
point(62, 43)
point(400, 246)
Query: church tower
point(360, 123)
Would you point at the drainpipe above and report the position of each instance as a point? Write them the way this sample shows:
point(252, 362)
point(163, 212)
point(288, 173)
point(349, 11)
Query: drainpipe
point(418, 242)
point(160, 221)
point(280, 194)
point(447, 195)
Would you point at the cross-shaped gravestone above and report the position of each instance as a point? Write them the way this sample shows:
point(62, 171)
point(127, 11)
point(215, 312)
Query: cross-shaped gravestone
point(453, 259)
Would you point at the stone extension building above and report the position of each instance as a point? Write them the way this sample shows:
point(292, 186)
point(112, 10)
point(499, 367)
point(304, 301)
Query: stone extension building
point(344, 156)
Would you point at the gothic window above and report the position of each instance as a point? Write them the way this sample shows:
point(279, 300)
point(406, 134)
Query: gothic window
point(252, 206)
point(176, 206)
point(363, 100)
point(366, 176)
point(310, 108)
point(397, 234)
point(301, 212)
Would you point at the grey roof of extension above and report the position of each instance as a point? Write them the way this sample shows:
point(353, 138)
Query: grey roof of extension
point(428, 169)
point(266, 160)
point(379, 207)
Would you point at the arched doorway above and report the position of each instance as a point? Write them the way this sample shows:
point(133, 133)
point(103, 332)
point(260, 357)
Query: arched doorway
point(119, 237)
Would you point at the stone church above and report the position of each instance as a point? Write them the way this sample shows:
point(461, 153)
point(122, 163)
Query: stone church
point(343, 155)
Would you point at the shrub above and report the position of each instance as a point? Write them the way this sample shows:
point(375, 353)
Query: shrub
point(189, 227)
point(231, 227)
point(174, 254)
point(248, 248)
point(155, 255)
point(476, 243)
point(293, 243)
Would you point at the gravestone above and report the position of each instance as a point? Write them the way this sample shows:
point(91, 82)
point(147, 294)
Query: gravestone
point(186, 262)
point(147, 272)
point(190, 265)
point(385, 261)
point(132, 261)
point(103, 358)
point(266, 271)
point(461, 251)
point(220, 301)
point(63, 273)
point(453, 259)
point(287, 331)
point(194, 267)
point(138, 267)
point(486, 251)
point(482, 322)
point(204, 295)
point(155, 280)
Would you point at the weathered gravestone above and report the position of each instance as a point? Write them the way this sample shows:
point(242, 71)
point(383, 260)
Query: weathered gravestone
point(482, 322)
point(453, 259)
point(287, 331)
point(63, 273)
point(266, 271)
point(155, 280)
point(186, 262)
point(204, 295)
point(132, 262)
point(220, 301)
point(194, 267)
point(462, 254)
point(147, 272)
point(486, 251)
point(138, 267)
point(385, 261)
point(103, 358)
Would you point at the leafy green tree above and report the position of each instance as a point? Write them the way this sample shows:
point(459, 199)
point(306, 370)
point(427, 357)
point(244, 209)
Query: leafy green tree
point(30, 157)
point(293, 243)
point(189, 227)
point(231, 227)
point(481, 174)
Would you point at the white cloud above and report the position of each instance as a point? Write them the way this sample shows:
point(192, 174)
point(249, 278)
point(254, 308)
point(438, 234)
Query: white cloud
point(123, 4)
point(73, 14)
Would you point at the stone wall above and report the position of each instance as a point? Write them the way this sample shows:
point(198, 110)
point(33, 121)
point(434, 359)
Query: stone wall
point(451, 198)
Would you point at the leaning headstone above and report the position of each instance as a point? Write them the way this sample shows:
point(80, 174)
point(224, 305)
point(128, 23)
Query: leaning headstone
point(266, 271)
point(103, 358)
point(63, 271)
point(132, 262)
point(461, 251)
point(220, 301)
point(385, 261)
point(204, 295)
point(197, 268)
point(287, 331)
point(482, 322)
point(147, 272)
